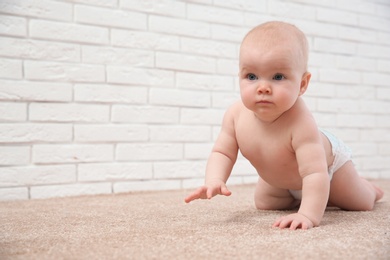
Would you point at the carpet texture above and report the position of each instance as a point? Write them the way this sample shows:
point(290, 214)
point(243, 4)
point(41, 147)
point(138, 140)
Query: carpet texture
point(159, 225)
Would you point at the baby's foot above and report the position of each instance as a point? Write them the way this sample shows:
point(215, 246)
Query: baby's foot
point(379, 192)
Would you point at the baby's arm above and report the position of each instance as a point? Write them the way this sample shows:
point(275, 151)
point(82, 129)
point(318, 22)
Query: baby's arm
point(220, 162)
point(315, 182)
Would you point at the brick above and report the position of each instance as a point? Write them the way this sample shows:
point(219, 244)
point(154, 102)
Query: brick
point(374, 22)
point(110, 93)
point(355, 120)
point(198, 116)
point(148, 77)
point(377, 107)
point(383, 93)
point(363, 148)
point(176, 97)
point(13, 26)
point(375, 163)
point(192, 183)
point(35, 91)
point(384, 149)
point(335, 46)
point(249, 5)
point(382, 11)
point(356, 34)
point(340, 76)
point(338, 105)
point(347, 135)
point(39, 70)
point(198, 81)
point(325, 119)
point(29, 132)
point(215, 14)
point(149, 152)
point(252, 19)
point(376, 79)
point(382, 121)
point(72, 153)
point(177, 26)
point(13, 112)
point(144, 40)
point(322, 60)
point(216, 131)
point(337, 16)
point(179, 170)
point(234, 180)
point(165, 7)
point(375, 135)
point(319, 89)
point(292, 10)
point(197, 151)
point(12, 194)
point(117, 56)
point(114, 171)
point(145, 114)
point(106, 3)
point(383, 66)
point(68, 32)
point(110, 17)
point(42, 9)
point(64, 112)
point(356, 63)
point(252, 179)
point(37, 175)
point(228, 33)
point(357, 7)
point(40, 50)
point(317, 29)
point(147, 185)
point(209, 47)
point(227, 67)
point(367, 50)
point(10, 69)
point(77, 189)
point(224, 99)
point(354, 92)
point(110, 133)
point(14, 155)
point(180, 133)
point(184, 62)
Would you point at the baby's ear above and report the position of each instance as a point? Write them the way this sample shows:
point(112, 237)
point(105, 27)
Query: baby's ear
point(304, 83)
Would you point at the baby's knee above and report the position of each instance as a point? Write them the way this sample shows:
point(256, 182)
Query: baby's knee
point(272, 203)
point(262, 205)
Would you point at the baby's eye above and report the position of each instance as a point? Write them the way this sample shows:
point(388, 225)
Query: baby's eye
point(278, 77)
point(251, 76)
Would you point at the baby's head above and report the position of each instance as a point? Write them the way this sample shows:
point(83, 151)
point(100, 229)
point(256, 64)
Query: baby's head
point(273, 35)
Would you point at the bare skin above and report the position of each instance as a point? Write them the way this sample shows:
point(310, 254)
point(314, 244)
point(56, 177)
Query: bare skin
point(275, 131)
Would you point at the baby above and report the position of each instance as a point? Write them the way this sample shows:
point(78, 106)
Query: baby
point(298, 164)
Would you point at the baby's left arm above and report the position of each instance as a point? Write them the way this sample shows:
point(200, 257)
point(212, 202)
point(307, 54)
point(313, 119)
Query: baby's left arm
point(312, 164)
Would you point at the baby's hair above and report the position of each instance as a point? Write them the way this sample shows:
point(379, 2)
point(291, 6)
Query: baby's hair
point(273, 32)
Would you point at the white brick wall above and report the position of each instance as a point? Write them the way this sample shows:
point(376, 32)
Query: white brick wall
point(122, 95)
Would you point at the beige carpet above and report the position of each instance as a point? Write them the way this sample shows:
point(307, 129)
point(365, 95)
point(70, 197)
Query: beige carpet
point(159, 225)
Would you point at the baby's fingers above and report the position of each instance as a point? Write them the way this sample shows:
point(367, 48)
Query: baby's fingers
point(199, 193)
point(225, 191)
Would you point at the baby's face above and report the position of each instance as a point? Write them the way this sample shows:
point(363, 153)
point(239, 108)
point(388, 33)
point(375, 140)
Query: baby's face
point(270, 77)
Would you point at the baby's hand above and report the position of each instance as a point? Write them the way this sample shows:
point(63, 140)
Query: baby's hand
point(208, 191)
point(294, 221)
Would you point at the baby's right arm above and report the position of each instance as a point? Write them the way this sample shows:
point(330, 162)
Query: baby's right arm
point(220, 162)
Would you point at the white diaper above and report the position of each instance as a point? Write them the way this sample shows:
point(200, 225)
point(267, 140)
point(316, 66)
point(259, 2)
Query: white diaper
point(342, 154)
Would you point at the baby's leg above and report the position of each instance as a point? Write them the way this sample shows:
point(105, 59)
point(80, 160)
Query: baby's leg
point(271, 198)
point(351, 192)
